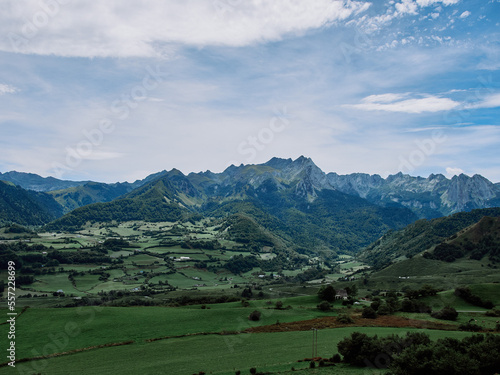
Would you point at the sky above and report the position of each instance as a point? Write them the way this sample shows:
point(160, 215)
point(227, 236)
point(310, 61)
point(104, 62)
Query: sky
point(116, 90)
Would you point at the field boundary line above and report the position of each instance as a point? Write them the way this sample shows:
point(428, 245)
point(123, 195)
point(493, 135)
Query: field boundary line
point(69, 352)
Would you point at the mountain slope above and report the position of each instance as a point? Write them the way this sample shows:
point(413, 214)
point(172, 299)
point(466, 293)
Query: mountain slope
point(419, 236)
point(290, 199)
point(91, 192)
point(475, 242)
point(31, 181)
point(20, 206)
point(151, 204)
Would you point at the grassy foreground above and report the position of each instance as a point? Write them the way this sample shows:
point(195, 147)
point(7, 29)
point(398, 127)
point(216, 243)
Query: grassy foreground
point(222, 355)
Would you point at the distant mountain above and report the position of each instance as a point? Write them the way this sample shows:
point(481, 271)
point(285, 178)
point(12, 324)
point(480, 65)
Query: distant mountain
point(430, 197)
point(154, 202)
point(30, 181)
point(73, 194)
point(293, 201)
point(289, 198)
point(21, 206)
point(420, 236)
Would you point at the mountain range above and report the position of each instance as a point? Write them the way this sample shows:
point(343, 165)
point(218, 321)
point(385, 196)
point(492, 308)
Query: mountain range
point(294, 200)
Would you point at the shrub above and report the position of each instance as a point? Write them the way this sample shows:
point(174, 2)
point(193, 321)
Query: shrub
point(279, 305)
point(493, 313)
point(345, 319)
point(312, 364)
point(446, 313)
point(471, 327)
point(369, 313)
point(384, 310)
point(254, 315)
point(336, 358)
point(324, 306)
point(253, 371)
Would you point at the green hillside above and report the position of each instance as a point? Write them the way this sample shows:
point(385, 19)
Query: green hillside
point(26, 207)
point(419, 236)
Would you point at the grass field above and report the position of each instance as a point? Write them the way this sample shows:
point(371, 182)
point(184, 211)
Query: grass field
point(214, 354)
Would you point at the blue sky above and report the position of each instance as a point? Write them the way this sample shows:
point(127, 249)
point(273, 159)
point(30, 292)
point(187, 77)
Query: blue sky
point(113, 91)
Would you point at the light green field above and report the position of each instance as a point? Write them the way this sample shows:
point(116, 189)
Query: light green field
point(51, 283)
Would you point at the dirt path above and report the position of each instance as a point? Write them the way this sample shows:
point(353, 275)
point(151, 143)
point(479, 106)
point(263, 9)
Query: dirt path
point(331, 322)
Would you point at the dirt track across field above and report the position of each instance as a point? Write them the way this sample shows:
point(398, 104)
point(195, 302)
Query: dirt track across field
point(331, 322)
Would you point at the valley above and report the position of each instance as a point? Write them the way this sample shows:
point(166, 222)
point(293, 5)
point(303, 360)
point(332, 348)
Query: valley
point(206, 274)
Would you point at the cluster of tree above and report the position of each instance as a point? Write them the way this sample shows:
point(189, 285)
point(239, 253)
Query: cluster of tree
point(486, 245)
point(416, 354)
point(328, 292)
point(446, 252)
point(446, 313)
point(241, 264)
point(17, 229)
point(424, 291)
point(410, 305)
point(115, 244)
point(466, 294)
point(200, 244)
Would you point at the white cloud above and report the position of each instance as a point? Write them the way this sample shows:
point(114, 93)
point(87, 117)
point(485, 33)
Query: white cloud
point(491, 101)
point(397, 103)
point(426, 3)
point(465, 14)
point(453, 171)
point(7, 89)
point(407, 7)
point(119, 28)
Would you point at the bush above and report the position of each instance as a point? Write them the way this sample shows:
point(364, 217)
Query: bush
point(254, 315)
point(253, 371)
point(344, 319)
point(447, 313)
point(466, 295)
point(384, 310)
point(369, 313)
point(279, 305)
point(471, 327)
point(324, 306)
point(336, 358)
point(493, 313)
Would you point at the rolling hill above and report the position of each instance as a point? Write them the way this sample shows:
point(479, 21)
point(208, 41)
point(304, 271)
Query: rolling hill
point(427, 234)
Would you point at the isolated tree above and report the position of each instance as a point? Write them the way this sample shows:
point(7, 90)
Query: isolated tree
point(254, 315)
point(327, 293)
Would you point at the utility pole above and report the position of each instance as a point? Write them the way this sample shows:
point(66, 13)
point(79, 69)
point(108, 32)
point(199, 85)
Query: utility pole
point(315, 343)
